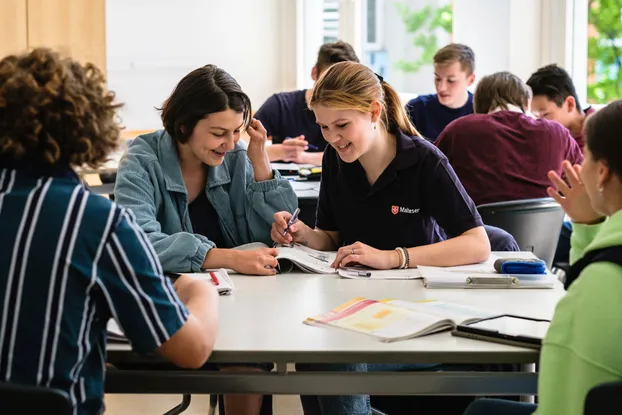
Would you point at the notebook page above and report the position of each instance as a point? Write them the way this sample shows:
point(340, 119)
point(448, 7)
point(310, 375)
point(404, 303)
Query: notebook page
point(375, 318)
point(318, 261)
point(441, 309)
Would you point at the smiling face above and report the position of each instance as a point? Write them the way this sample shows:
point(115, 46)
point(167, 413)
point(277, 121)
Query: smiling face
point(451, 83)
point(350, 132)
point(215, 135)
point(543, 107)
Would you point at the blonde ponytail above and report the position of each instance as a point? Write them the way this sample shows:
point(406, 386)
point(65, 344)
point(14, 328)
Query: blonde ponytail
point(395, 114)
point(353, 86)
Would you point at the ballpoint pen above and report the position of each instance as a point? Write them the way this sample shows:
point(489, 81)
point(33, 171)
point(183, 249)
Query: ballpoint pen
point(357, 273)
point(291, 221)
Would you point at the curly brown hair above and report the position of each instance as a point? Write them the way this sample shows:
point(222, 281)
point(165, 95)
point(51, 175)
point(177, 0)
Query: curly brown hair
point(54, 110)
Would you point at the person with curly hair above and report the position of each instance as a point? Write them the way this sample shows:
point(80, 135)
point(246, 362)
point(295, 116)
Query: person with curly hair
point(71, 260)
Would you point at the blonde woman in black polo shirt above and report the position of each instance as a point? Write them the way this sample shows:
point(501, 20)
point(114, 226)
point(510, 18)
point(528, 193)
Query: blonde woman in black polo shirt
point(387, 197)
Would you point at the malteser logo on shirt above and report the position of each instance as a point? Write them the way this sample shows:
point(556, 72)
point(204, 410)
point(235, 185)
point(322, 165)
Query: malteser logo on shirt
point(398, 209)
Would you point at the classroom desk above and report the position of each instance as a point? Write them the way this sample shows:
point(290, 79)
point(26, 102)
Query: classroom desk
point(262, 322)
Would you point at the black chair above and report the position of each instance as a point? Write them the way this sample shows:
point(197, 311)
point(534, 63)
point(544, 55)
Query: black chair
point(534, 223)
point(34, 399)
point(604, 399)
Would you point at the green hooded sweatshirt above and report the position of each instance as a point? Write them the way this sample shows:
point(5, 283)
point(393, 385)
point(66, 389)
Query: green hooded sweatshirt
point(583, 346)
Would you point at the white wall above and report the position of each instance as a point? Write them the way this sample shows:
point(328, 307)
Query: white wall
point(152, 44)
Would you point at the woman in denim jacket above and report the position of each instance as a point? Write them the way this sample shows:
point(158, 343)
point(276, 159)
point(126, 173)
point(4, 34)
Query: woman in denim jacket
point(195, 189)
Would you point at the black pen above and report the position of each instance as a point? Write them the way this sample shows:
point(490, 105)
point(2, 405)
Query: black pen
point(357, 273)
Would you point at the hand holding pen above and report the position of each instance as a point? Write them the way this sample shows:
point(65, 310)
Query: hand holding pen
point(286, 227)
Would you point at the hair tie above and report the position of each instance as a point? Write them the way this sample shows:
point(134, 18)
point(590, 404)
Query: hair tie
point(380, 78)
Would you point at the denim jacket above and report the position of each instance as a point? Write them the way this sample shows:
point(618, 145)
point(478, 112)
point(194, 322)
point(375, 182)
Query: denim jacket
point(149, 182)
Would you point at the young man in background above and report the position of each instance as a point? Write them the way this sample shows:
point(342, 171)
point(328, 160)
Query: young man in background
point(290, 123)
point(454, 67)
point(555, 98)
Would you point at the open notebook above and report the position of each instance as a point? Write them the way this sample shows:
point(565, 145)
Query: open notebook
point(319, 262)
point(307, 259)
point(392, 320)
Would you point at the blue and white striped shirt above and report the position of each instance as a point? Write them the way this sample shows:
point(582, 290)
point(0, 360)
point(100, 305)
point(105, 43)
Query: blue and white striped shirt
point(69, 261)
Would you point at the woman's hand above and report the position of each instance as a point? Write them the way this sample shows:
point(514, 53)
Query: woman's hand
point(296, 232)
point(256, 262)
point(256, 151)
point(573, 198)
point(360, 254)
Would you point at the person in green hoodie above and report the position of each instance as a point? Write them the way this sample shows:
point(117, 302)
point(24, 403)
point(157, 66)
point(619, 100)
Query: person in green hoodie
point(582, 346)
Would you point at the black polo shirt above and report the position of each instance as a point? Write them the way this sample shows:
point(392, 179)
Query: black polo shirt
point(417, 200)
point(286, 115)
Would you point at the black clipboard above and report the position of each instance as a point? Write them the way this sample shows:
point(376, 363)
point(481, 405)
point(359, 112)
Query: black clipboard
point(466, 330)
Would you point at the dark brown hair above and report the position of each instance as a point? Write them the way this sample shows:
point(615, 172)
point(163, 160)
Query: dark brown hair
point(456, 52)
point(55, 110)
point(353, 86)
point(555, 84)
point(202, 92)
point(604, 136)
point(500, 90)
point(334, 52)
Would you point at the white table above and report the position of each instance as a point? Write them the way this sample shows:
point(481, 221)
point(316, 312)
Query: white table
point(262, 322)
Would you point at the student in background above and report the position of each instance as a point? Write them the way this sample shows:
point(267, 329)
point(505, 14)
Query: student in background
point(71, 260)
point(289, 121)
point(555, 98)
point(581, 347)
point(502, 152)
point(197, 192)
point(454, 67)
point(378, 176)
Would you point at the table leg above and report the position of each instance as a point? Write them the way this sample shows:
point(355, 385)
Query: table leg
point(528, 368)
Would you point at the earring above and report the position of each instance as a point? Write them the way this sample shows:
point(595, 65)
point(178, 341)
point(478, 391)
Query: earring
point(374, 126)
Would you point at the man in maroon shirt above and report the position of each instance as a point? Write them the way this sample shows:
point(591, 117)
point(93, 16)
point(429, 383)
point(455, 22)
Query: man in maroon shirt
point(502, 152)
point(555, 98)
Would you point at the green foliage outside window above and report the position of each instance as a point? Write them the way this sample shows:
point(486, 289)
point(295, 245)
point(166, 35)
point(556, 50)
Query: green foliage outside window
point(422, 25)
point(605, 51)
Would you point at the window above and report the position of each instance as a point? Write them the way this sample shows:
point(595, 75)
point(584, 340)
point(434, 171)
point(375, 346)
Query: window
point(331, 20)
point(373, 24)
point(402, 36)
point(604, 63)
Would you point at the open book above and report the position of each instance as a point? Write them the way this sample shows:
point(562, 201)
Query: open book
point(319, 262)
point(307, 259)
point(391, 320)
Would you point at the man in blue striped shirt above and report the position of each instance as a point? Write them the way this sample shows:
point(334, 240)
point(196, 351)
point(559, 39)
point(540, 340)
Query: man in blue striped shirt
point(71, 260)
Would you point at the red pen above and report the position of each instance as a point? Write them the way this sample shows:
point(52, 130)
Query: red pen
point(214, 278)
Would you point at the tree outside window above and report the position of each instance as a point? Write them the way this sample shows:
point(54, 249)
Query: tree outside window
point(422, 26)
point(604, 51)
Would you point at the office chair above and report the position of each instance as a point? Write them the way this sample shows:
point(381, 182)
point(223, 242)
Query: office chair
point(534, 223)
point(604, 399)
point(28, 399)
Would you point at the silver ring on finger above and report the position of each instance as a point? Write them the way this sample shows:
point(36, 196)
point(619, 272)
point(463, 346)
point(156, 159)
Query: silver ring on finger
point(352, 251)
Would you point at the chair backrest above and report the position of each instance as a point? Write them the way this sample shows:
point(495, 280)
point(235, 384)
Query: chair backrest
point(25, 399)
point(604, 399)
point(534, 223)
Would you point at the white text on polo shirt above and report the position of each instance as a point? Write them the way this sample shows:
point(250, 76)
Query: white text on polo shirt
point(399, 209)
